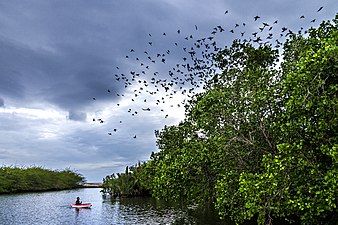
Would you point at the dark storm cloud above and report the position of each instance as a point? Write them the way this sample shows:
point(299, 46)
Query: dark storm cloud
point(11, 80)
point(64, 52)
point(67, 78)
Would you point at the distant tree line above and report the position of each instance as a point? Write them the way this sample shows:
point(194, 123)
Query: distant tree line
point(261, 141)
point(131, 183)
point(16, 179)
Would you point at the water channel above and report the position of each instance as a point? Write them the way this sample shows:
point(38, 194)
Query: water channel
point(54, 208)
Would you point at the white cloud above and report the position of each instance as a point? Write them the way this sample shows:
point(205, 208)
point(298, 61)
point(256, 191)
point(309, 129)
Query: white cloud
point(98, 165)
point(35, 114)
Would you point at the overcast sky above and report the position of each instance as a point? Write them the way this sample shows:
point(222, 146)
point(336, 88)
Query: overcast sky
point(56, 56)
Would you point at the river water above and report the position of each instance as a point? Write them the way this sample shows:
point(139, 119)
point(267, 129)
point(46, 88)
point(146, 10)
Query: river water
point(52, 208)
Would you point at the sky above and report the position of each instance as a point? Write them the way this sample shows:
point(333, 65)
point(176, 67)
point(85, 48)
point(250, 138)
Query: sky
point(60, 60)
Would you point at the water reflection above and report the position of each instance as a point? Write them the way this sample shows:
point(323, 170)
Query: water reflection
point(54, 208)
point(150, 211)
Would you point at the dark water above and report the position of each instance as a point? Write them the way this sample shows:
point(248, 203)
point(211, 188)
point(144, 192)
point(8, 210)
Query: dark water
point(53, 208)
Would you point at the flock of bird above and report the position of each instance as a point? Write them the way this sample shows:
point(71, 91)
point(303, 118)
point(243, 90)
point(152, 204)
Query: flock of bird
point(188, 62)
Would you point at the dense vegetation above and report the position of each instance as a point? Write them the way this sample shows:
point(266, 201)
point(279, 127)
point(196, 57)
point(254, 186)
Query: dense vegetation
point(15, 179)
point(127, 184)
point(261, 141)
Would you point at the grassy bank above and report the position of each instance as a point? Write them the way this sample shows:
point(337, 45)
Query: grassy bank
point(16, 179)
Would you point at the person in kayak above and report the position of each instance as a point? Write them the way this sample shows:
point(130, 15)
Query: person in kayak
point(78, 202)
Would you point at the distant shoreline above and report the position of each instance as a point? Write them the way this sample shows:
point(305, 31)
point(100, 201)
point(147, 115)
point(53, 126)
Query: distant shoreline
point(92, 185)
point(36, 179)
point(43, 191)
point(85, 185)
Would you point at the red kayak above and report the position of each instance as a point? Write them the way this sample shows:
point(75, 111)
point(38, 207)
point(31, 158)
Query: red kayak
point(83, 205)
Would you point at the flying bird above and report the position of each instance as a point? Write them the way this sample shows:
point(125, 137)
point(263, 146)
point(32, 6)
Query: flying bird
point(320, 8)
point(257, 17)
point(195, 66)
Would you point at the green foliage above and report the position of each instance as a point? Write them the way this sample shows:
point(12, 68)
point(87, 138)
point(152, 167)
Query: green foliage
point(301, 177)
point(15, 179)
point(234, 115)
point(127, 184)
point(261, 141)
point(270, 134)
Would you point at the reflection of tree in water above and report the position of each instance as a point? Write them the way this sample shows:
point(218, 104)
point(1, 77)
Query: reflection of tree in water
point(199, 216)
point(152, 210)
